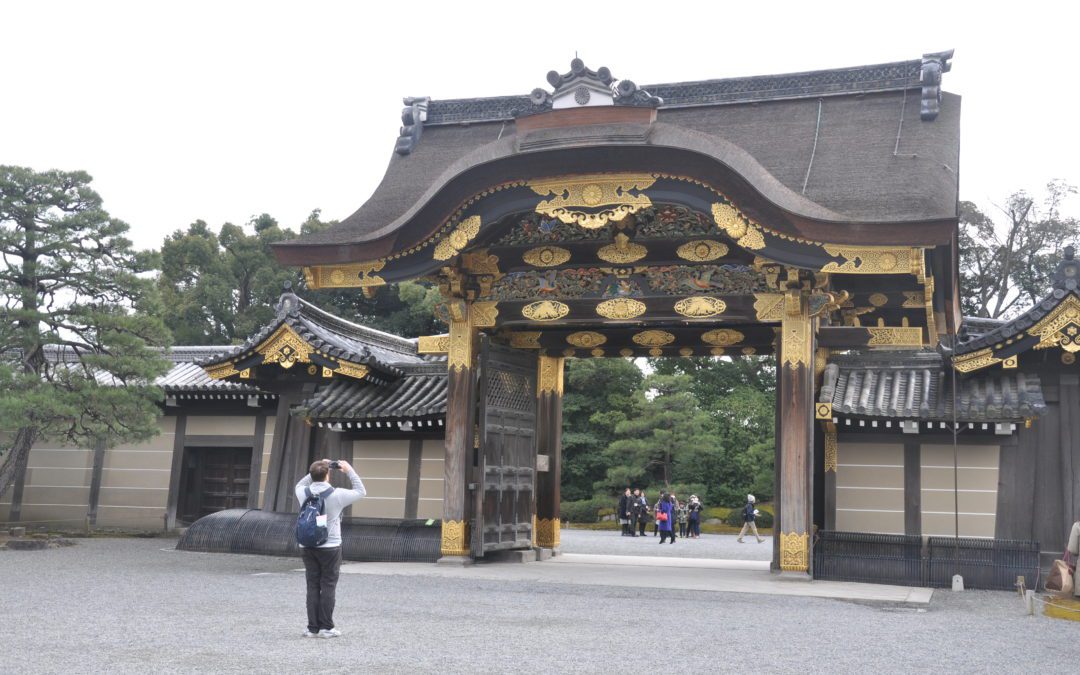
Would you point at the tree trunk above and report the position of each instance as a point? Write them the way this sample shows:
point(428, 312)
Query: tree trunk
point(15, 462)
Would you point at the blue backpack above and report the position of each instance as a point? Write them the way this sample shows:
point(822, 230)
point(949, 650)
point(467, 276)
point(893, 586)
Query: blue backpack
point(309, 533)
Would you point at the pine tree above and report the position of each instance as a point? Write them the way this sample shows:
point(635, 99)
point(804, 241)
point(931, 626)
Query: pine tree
point(78, 315)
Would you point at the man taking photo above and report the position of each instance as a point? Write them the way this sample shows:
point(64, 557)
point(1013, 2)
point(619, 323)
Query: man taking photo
point(322, 561)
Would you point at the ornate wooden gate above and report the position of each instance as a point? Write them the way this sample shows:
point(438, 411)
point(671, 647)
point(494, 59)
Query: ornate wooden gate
point(505, 459)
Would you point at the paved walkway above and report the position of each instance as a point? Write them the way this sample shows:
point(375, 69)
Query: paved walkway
point(679, 574)
point(610, 542)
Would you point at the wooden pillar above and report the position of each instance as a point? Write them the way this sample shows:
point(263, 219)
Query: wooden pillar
point(912, 487)
point(460, 418)
point(412, 477)
point(831, 452)
point(549, 398)
point(173, 499)
point(95, 481)
point(795, 398)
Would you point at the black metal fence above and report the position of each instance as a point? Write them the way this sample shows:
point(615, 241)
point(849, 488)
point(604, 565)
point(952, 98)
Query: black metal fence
point(905, 560)
point(270, 533)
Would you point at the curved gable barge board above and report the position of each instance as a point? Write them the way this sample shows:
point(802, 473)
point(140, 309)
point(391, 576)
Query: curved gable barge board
point(430, 218)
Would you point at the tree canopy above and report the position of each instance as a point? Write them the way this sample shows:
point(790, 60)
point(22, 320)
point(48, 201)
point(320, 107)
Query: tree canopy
point(1006, 261)
point(78, 314)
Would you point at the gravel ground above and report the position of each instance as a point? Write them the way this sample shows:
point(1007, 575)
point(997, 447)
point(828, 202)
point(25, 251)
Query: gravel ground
point(720, 546)
point(127, 605)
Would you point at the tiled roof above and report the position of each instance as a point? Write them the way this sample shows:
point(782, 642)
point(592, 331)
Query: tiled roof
point(916, 386)
point(420, 392)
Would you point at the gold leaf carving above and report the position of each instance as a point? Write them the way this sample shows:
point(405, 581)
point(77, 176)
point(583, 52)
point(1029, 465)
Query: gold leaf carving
point(433, 344)
point(597, 352)
point(544, 310)
point(913, 300)
point(723, 337)
point(626, 351)
point(353, 370)
point(623, 251)
point(221, 371)
point(353, 275)
point(549, 375)
point(586, 339)
point(592, 200)
point(484, 314)
point(686, 351)
point(869, 260)
point(749, 351)
point(547, 532)
point(546, 256)
point(769, 306)
point(795, 341)
point(975, 360)
point(462, 338)
point(830, 451)
point(895, 337)
point(1060, 327)
point(285, 348)
point(459, 238)
point(738, 227)
point(701, 306)
point(879, 299)
point(702, 250)
point(525, 340)
point(653, 338)
point(794, 552)
point(453, 538)
point(620, 308)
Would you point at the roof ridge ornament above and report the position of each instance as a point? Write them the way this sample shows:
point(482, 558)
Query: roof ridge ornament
point(1067, 274)
point(933, 67)
point(413, 117)
point(289, 302)
point(583, 86)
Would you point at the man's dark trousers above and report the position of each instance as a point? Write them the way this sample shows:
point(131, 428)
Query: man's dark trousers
point(321, 567)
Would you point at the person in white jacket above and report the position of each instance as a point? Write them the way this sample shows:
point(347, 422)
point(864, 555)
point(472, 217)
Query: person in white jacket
point(1074, 551)
point(322, 564)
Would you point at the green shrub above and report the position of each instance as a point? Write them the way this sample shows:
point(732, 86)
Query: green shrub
point(588, 510)
point(720, 512)
point(735, 519)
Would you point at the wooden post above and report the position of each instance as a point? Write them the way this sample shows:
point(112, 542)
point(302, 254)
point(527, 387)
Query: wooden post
point(549, 398)
point(795, 403)
point(460, 418)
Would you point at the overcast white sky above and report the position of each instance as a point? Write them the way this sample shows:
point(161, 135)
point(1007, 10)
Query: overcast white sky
point(222, 110)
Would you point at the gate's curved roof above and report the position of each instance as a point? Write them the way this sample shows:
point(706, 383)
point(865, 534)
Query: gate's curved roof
point(868, 145)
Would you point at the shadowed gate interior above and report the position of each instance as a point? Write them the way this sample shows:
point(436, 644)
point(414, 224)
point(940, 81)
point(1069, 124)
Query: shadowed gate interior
point(214, 479)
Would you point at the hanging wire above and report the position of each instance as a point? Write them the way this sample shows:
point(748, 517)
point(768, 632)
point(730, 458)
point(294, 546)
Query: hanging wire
point(817, 132)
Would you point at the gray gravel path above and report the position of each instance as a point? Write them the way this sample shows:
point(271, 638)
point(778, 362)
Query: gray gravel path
point(721, 546)
point(126, 605)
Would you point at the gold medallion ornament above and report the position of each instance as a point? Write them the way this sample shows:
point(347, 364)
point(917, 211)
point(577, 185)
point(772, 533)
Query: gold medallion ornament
point(749, 351)
point(700, 307)
point(656, 351)
point(453, 538)
point(738, 227)
point(716, 351)
point(702, 250)
point(626, 351)
point(620, 308)
point(546, 256)
point(452, 244)
point(597, 352)
point(723, 337)
point(686, 351)
point(591, 201)
point(794, 552)
point(544, 310)
point(879, 299)
point(653, 338)
point(623, 251)
point(1068, 359)
point(586, 339)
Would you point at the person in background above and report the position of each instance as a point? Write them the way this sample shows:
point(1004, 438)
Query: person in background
point(665, 515)
point(694, 515)
point(675, 504)
point(682, 514)
point(624, 512)
point(1074, 551)
point(749, 516)
point(642, 513)
point(656, 514)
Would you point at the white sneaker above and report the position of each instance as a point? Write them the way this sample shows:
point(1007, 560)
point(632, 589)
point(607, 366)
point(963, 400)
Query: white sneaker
point(329, 633)
point(308, 633)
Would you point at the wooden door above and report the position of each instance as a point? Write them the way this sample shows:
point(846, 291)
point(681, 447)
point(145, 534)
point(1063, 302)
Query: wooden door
point(505, 459)
point(216, 479)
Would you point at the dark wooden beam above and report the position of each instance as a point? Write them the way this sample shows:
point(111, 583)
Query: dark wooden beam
point(912, 487)
point(177, 471)
point(95, 481)
point(412, 477)
point(256, 461)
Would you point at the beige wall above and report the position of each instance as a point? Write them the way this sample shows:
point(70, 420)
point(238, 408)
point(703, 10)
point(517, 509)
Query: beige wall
point(384, 467)
point(977, 480)
point(221, 425)
point(135, 481)
point(870, 487)
point(268, 443)
point(57, 486)
point(431, 480)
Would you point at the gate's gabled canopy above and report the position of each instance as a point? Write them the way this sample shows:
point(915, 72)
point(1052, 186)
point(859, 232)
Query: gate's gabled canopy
point(1052, 324)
